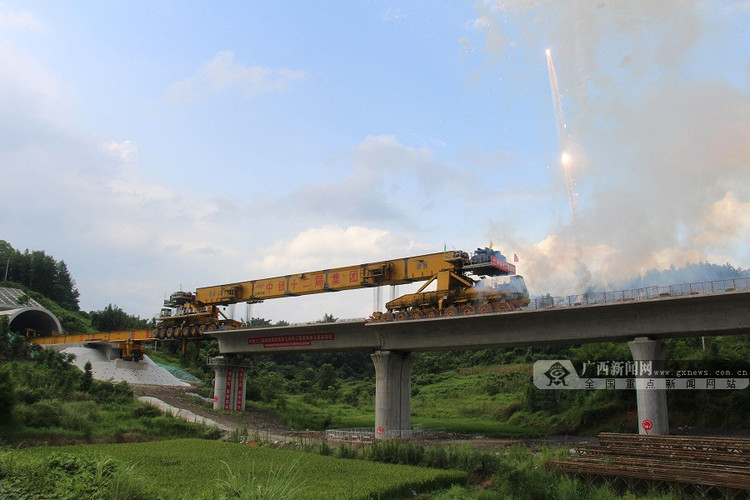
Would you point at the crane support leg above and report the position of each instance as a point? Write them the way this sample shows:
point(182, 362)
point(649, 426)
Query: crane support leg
point(392, 392)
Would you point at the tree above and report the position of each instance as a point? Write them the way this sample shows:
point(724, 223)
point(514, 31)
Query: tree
point(88, 377)
point(326, 376)
point(112, 318)
point(259, 322)
point(13, 346)
point(329, 318)
point(6, 253)
point(8, 397)
point(40, 273)
point(64, 288)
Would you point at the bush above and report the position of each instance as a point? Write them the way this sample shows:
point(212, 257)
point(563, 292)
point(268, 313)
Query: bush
point(63, 475)
point(141, 410)
point(280, 483)
point(45, 413)
point(107, 392)
point(477, 463)
point(344, 451)
point(71, 415)
point(169, 426)
point(8, 396)
point(79, 415)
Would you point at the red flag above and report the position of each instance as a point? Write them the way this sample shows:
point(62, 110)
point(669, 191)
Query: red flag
point(515, 258)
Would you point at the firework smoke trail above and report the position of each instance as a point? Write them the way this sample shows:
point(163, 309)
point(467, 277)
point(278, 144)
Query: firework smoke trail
point(561, 126)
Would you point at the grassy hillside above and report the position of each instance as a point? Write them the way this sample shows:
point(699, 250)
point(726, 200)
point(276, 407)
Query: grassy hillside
point(45, 399)
point(490, 392)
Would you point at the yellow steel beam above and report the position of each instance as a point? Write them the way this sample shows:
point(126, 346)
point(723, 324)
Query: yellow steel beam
point(389, 272)
point(119, 336)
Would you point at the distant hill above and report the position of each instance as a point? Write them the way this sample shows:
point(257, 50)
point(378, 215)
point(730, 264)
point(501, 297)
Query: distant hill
point(690, 273)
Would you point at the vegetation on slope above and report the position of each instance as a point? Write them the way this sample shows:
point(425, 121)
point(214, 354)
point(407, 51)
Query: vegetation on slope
point(46, 399)
point(487, 392)
point(41, 273)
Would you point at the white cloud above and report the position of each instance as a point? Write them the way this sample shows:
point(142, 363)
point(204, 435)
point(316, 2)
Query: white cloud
point(128, 239)
point(27, 93)
point(388, 182)
point(223, 73)
point(725, 223)
point(332, 246)
point(84, 199)
point(396, 14)
point(325, 247)
point(20, 20)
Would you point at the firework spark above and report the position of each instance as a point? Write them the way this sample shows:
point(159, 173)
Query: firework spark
point(565, 159)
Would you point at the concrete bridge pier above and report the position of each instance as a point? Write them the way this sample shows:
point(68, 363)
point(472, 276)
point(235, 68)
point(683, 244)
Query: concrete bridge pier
point(229, 382)
point(392, 392)
point(652, 402)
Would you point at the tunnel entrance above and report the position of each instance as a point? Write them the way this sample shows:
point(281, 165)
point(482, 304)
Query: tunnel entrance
point(26, 315)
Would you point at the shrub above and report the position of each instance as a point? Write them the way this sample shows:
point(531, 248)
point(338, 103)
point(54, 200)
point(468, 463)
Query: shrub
point(87, 378)
point(281, 482)
point(8, 396)
point(64, 475)
point(239, 435)
point(79, 415)
point(479, 463)
point(344, 451)
point(141, 410)
point(106, 392)
point(45, 413)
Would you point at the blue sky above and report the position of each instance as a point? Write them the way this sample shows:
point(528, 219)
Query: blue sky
point(153, 145)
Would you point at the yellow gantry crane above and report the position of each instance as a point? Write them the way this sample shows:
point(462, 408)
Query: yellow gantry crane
point(455, 274)
point(480, 283)
point(130, 342)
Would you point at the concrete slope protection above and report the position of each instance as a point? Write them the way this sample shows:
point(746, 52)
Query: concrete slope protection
point(144, 372)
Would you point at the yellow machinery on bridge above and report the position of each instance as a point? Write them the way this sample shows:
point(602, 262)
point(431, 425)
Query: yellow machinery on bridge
point(457, 275)
point(130, 342)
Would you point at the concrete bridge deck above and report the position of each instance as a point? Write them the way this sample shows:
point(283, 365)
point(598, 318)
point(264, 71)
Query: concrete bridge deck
point(641, 317)
point(695, 315)
point(641, 322)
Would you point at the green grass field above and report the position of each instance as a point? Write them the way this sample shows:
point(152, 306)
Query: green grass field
point(193, 468)
point(472, 401)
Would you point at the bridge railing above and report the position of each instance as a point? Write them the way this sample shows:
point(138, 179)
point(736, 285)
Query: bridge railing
point(366, 435)
point(351, 435)
point(645, 293)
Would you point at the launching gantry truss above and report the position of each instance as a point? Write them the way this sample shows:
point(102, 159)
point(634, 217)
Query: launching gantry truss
point(453, 274)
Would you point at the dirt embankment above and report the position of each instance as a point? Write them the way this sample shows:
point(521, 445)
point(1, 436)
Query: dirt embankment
point(267, 426)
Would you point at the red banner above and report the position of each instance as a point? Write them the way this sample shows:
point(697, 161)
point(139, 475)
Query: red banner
point(503, 265)
point(228, 389)
point(240, 386)
point(290, 340)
